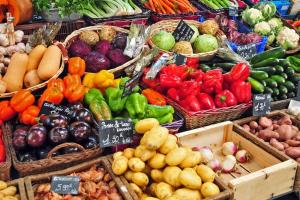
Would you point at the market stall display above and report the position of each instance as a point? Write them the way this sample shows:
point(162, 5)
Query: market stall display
point(13, 190)
point(5, 161)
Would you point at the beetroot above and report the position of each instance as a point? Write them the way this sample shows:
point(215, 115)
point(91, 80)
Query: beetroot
point(117, 57)
point(96, 61)
point(79, 49)
point(103, 47)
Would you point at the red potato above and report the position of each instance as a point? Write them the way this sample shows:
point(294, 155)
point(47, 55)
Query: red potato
point(271, 128)
point(253, 131)
point(246, 127)
point(267, 135)
point(286, 120)
point(285, 145)
point(260, 128)
point(265, 122)
point(276, 144)
point(285, 132)
point(297, 137)
point(293, 143)
point(275, 126)
point(293, 152)
point(253, 125)
point(275, 121)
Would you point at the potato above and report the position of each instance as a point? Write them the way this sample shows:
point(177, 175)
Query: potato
point(152, 189)
point(143, 139)
point(10, 198)
point(151, 198)
point(145, 125)
point(192, 159)
point(173, 197)
point(120, 165)
point(169, 145)
point(157, 161)
point(143, 153)
point(190, 179)
point(206, 174)
point(18, 197)
point(163, 190)
point(1, 195)
point(136, 189)
point(156, 137)
point(187, 194)
point(209, 189)
point(117, 154)
point(144, 196)
point(128, 175)
point(147, 170)
point(171, 176)
point(3, 185)
point(9, 191)
point(140, 179)
point(128, 152)
point(136, 164)
point(176, 156)
point(157, 175)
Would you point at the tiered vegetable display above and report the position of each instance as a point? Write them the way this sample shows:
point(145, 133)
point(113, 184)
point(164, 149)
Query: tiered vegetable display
point(170, 7)
point(158, 165)
point(8, 192)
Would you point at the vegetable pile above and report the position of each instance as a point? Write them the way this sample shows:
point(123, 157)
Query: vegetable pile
point(8, 192)
point(170, 7)
point(160, 169)
point(220, 4)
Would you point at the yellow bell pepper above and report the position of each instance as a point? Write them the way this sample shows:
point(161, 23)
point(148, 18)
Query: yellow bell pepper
point(117, 82)
point(88, 80)
point(104, 79)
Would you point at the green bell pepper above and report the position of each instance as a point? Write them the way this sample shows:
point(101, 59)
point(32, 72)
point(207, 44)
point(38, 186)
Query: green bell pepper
point(93, 95)
point(153, 111)
point(114, 99)
point(294, 62)
point(136, 105)
point(165, 119)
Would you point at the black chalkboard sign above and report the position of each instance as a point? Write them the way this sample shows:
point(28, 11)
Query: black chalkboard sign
point(233, 11)
point(131, 84)
point(247, 51)
point(261, 104)
point(65, 184)
point(180, 59)
point(183, 32)
point(298, 92)
point(114, 132)
point(51, 108)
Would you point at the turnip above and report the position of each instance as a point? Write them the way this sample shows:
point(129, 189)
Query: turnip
point(242, 156)
point(206, 154)
point(214, 164)
point(229, 148)
point(228, 164)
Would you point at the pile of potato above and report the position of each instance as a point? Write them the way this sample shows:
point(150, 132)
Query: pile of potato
point(8, 192)
point(159, 169)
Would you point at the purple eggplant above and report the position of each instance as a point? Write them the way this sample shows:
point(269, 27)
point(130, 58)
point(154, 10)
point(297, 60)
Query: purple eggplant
point(27, 156)
point(43, 152)
point(20, 132)
point(37, 135)
point(55, 120)
point(58, 135)
point(80, 130)
point(92, 142)
point(76, 106)
point(67, 150)
point(19, 142)
point(83, 114)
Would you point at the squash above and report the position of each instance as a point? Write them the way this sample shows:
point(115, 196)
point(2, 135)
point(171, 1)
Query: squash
point(35, 57)
point(21, 10)
point(50, 63)
point(31, 78)
point(15, 72)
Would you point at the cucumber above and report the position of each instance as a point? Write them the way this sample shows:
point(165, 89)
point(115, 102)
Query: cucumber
point(204, 67)
point(272, 53)
point(283, 90)
point(259, 75)
point(291, 94)
point(284, 63)
point(271, 83)
point(290, 86)
point(283, 97)
point(269, 70)
point(290, 72)
point(256, 85)
point(266, 63)
point(284, 75)
point(268, 90)
point(278, 79)
point(264, 83)
point(225, 66)
point(279, 69)
point(275, 91)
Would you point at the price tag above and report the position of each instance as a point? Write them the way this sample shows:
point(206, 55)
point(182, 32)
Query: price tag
point(51, 108)
point(157, 66)
point(261, 104)
point(131, 84)
point(233, 11)
point(183, 32)
point(298, 92)
point(180, 59)
point(65, 184)
point(114, 132)
point(247, 51)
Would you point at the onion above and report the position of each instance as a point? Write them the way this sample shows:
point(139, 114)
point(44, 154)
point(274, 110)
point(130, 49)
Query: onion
point(214, 164)
point(242, 156)
point(229, 148)
point(228, 164)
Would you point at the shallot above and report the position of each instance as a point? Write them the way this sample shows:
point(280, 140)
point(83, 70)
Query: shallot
point(228, 164)
point(229, 148)
point(214, 164)
point(242, 156)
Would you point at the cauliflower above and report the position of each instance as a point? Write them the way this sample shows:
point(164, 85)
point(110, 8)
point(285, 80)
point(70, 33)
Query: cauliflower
point(252, 16)
point(275, 23)
point(262, 28)
point(271, 38)
point(287, 38)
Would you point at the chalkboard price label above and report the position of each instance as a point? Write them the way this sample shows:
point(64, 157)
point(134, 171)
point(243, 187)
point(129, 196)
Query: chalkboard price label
point(183, 32)
point(131, 84)
point(114, 132)
point(65, 184)
point(51, 108)
point(247, 51)
point(261, 104)
point(233, 11)
point(180, 59)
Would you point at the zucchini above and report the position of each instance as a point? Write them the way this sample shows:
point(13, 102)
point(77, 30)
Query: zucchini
point(264, 83)
point(291, 94)
point(290, 86)
point(283, 90)
point(268, 90)
point(266, 63)
point(271, 83)
point(256, 85)
point(284, 75)
point(275, 91)
point(284, 63)
point(226, 66)
point(272, 53)
point(259, 75)
point(269, 70)
point(279, 69)
point(283, 97)
point(279, 79)
point(204, 67)
point(290, 72)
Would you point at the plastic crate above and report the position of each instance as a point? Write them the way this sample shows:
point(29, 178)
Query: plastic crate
point(282, 6)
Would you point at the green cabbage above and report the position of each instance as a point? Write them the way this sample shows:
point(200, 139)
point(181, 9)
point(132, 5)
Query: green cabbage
point(196, 33)
point(205, 43)
point(164, 40)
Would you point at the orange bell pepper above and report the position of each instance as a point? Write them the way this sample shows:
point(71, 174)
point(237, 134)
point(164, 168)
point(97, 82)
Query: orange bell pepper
point(154, 98)
point(6, 111)
point(29, 116)
point(52, 95)
point(58, 83)
point(74, 93)
point(22, 100)
point(76, 65)
point(72, 80)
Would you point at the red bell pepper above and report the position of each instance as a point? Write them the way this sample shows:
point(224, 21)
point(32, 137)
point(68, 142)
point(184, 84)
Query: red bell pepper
point(6, 111)
point(213, 74)
point(225, 99)
point(174, 70)
point(242, 91)
point(239, 72)
point(196, 74)
point(206, 101)
point(151, 83)
point(191, 103)
point(188, 88)
point(169, 81)
point(213, 86)
point(192, 61)
point(173, 94)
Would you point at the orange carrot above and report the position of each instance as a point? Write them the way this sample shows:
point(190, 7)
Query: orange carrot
point(166, 7)
point(152, 5)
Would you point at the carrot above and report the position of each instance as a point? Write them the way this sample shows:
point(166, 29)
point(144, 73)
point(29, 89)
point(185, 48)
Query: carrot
point(152, 5)
point(180, 5)
point(158, 7)
point(147, 5)
point(166, 7)
point(188, 4)
point(158, 3)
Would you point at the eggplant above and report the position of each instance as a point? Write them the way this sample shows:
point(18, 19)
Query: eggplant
point(27, 156)
point(55, 120)
point(20, 132)
point(43, 152)
point(80, 131)
point(67, 150)
point(37, 135)
point(90, 144)
point(83, 114)
point(58, 135)
point(19, 142)
point(76, 106)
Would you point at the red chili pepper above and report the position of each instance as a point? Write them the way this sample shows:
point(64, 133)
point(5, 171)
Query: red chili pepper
point(296, 24)
point(188, 88)
point(239, 72)
point(173, 94)
point(225, 99)
point(213, 74)
point(242, 91)
point(206, 101)
point(191, 103)
point(169, 81)
point(213, 86)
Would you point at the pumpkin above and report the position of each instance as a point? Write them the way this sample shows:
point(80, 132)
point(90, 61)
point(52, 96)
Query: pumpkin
point(21, 10)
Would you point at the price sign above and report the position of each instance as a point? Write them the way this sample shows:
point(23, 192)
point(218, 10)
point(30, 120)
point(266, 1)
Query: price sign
point(179, 59)
point(131, 84)
point(65, 184)
point(298, 92)
point(183, 32)
point(114, 132)
point(247, 51)
point(157, 66)
point(233, 11)
point(51, 108)
point(261, 104)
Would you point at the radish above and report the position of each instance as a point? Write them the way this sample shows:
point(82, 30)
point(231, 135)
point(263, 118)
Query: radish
point(228, 164)
point(206, 154)
point(214, 165)
point(229, 148)
point(242, 156)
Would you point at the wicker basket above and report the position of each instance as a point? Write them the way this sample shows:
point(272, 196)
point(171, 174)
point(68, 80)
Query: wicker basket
point(73, 36)
point(5, 166)
point(279, 105)
point(50, 163)
point(32, 181)
point(20, 185)
point(170, 26)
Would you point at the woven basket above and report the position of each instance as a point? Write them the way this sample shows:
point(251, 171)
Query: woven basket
point(20, 185)
point(170, 26)
point(50, 163)
point(5, 166)
point(73, 36)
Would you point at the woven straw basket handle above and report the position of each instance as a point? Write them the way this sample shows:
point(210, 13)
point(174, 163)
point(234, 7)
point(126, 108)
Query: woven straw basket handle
point(68, 144)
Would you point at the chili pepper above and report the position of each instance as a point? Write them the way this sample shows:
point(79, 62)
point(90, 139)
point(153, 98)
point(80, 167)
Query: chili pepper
point(239, 72)
point(88, 80)
point(296, 24)
point(76, 65)
point(174, 70)
point(213, 86)
point(135, 105)
point(154, 98)
point(72, 80)
point(213, 74)
point(191, 103)
point(206, 101)
point(169, 81)
point(188, 88)
point(22, 100)
point(52, 95)
point(29, 116)
point(154, 111)
point(74, 93)
point(57, 83)
point(225, 99)
point(173, 94)
point(100, 110)
point(92, 95)
point(6, 111)
point(2, 148)
point(165, 119)
point(242, 91)
point(104, 79)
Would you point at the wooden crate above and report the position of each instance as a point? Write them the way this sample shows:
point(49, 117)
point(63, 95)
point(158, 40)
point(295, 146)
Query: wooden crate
point(263, 177)
point(265, 145)
point(32, 181)
point(19, 184)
